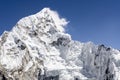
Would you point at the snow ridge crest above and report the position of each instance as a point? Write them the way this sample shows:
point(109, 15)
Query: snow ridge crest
point(47, 14)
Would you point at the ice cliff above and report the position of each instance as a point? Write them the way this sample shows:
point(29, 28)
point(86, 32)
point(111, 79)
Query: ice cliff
point(38, 48)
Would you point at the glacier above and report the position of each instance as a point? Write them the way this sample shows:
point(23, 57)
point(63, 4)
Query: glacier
point(38, 48)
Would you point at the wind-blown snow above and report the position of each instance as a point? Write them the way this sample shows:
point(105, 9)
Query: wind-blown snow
point(46, 12)
point(37, 48)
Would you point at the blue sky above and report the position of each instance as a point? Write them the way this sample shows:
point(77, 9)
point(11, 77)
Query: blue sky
point(90, 20)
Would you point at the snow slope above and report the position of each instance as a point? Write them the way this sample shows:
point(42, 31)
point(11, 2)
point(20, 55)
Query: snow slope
point(38, 48)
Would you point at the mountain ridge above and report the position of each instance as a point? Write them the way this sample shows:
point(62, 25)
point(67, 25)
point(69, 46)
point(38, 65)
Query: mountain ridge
point(38, 48)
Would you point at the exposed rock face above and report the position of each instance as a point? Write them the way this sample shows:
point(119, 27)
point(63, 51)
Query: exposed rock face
point(37, 48)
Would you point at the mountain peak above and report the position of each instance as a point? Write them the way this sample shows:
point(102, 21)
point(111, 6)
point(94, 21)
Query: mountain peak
point(37, 48)
point(46, 15)
point(46, 10)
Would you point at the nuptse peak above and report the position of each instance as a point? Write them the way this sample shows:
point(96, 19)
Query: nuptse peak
point(38, 48)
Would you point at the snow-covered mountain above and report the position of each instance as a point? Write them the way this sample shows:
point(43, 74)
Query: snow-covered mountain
point(38, 48)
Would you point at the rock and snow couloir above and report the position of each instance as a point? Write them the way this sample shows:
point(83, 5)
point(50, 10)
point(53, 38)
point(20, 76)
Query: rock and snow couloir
point(37, 48)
